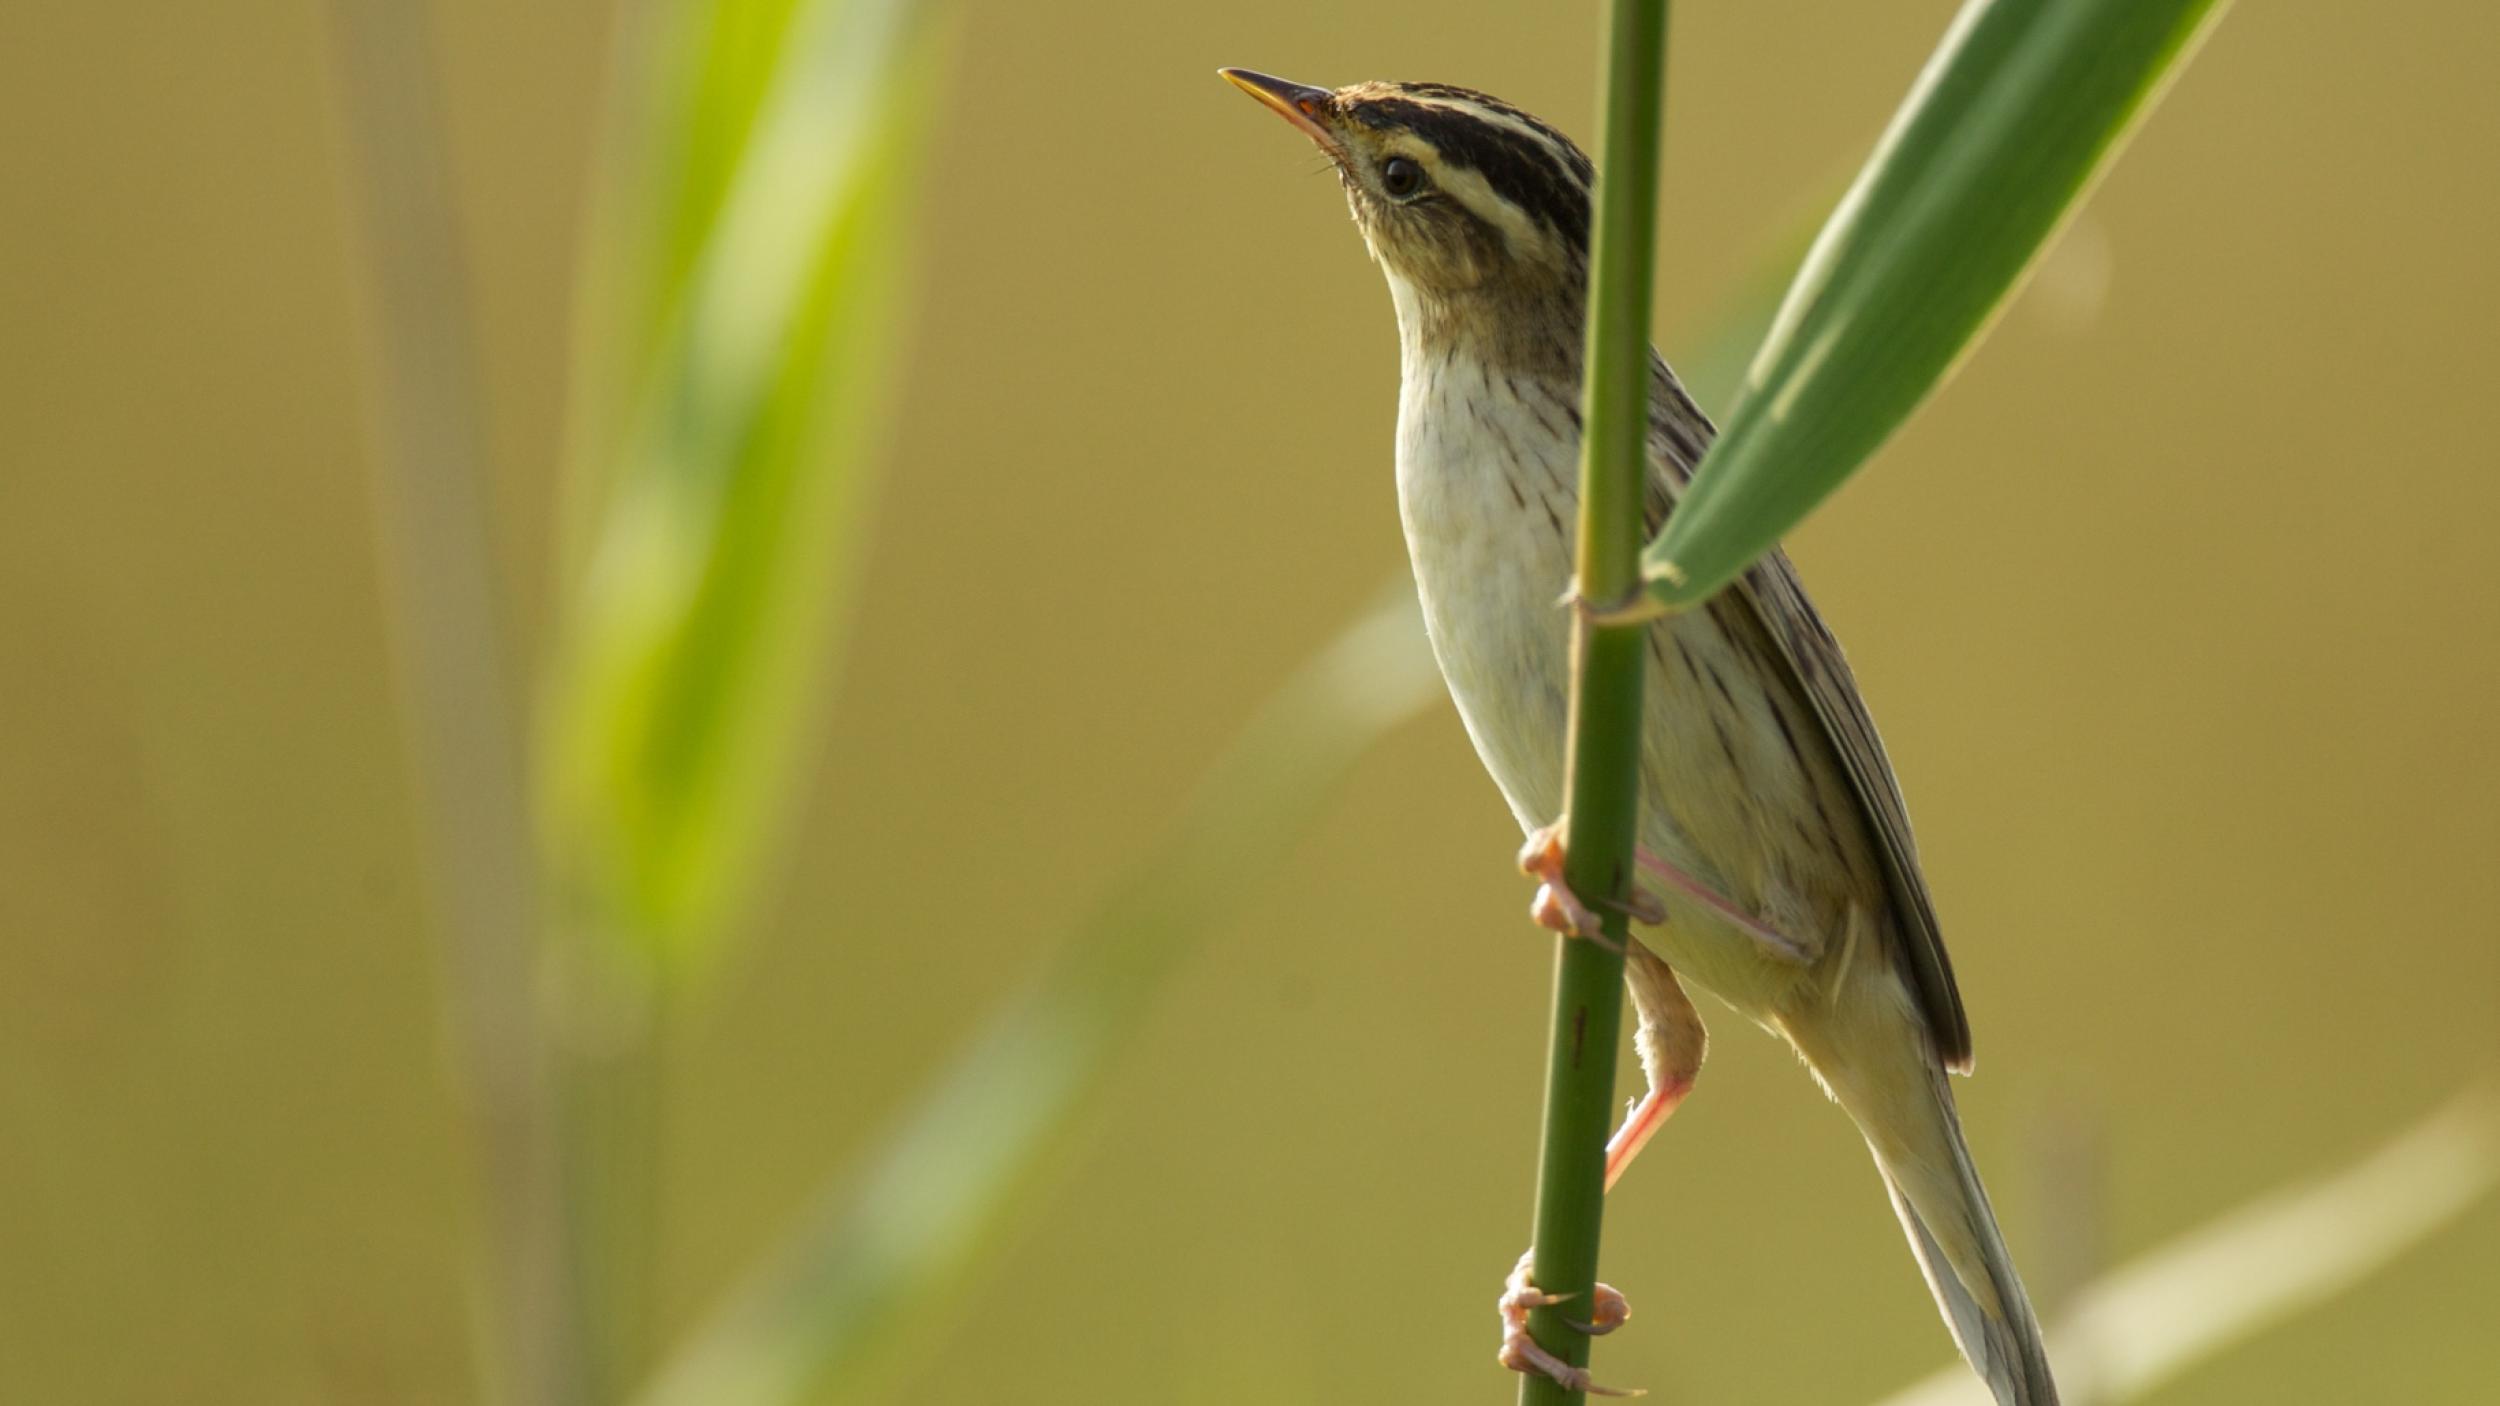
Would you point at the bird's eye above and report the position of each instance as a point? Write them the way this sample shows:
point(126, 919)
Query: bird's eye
point(1401, 177)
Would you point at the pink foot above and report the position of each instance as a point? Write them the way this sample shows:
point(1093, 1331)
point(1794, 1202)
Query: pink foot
point(1672, 1044)
point(1521, 1353)
point(1558, 908)
point(1646, 1118)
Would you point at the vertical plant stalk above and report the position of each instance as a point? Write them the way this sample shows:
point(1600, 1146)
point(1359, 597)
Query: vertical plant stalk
point(610, 1041)
point(1603, 803)
point(448, 645)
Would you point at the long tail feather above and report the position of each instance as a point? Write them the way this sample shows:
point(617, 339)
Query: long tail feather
point(1910, 1125)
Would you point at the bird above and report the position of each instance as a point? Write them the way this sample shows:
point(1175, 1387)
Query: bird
point(1790, 884)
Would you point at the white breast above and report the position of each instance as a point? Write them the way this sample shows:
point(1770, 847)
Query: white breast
point(1482, 488)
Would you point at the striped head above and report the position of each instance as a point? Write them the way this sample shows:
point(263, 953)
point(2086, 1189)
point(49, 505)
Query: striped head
point(1456, 192)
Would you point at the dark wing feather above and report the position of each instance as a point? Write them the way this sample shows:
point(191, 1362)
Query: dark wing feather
point(1679, 432)
point(1814, 657)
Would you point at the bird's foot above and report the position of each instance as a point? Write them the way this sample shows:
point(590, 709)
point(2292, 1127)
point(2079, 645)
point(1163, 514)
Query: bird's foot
point(1558, 908)
point(1672, 1044)
point(1645, 1118)
point(1522, 1353)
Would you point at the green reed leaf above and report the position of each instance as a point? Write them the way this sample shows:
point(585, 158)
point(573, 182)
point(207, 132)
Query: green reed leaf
point(736, 349)
point(2000, 138)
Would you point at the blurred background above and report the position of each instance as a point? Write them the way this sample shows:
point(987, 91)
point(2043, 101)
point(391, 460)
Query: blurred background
point(2176, 609)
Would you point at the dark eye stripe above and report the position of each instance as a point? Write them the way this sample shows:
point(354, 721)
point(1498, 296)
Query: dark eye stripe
point(1581, 166)
point(1548, 179)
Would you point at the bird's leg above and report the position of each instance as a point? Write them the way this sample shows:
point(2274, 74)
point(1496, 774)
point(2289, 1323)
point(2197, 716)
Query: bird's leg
point(1671, 1043)
point(1780, 944)
point(1522, 1353)
point(1670, 1039)
point(1557, 907)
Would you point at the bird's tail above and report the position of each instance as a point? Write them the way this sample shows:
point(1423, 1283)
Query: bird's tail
point(1906, 1113)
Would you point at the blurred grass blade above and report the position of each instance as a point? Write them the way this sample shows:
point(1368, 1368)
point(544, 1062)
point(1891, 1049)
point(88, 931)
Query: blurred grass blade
point(735, 372)
point(861, 1290)
point(448, 636)
point(2297, 1248)
point(2000, 138)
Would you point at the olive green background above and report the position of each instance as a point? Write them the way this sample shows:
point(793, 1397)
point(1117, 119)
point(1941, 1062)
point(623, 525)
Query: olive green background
point(2177, 609)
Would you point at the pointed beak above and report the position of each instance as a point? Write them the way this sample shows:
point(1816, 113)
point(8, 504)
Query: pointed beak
point(1294, 102)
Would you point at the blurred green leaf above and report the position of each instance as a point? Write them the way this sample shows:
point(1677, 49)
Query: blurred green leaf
point(862, 1288)
point(2000, 138)
point(735, 363)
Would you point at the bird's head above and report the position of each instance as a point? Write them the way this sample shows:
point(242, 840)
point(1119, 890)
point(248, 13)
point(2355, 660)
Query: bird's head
point(1458, 194)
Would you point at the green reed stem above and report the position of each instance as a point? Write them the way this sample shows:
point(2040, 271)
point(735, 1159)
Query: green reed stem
point(1603, 806)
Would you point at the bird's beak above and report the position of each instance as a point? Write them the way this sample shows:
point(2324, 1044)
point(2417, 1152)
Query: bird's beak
point(1294, 102)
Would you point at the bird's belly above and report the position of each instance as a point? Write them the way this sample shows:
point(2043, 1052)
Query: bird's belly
point(1488, 519)
point(1725, 796)
point(1504, 649)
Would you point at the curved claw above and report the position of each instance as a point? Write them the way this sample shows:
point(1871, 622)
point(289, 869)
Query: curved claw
point(1612, 1309)
point(1522, 1353)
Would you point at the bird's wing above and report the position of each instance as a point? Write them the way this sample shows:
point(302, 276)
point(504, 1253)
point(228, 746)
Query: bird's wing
point(1679, 433)
point(1779, 599)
